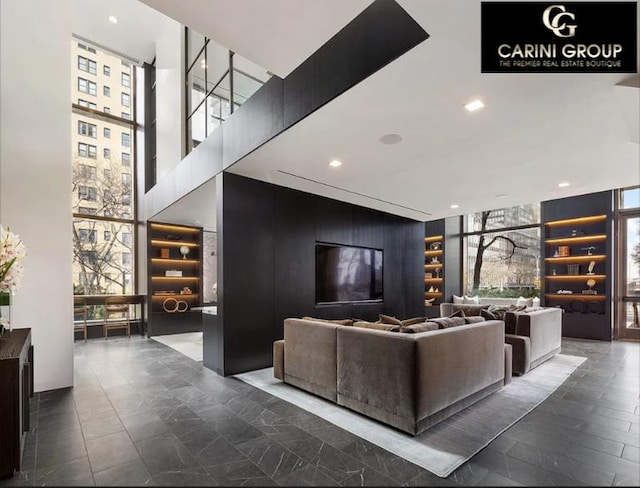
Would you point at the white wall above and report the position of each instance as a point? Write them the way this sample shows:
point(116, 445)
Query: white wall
point(169, 98)
point(35, 175)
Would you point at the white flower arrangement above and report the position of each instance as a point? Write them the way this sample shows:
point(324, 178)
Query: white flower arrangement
point(12, 252)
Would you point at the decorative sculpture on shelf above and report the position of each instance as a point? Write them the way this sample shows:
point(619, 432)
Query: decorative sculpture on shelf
point(184, 250)
point(592, 265)
point(590, 283)
point(589, 250)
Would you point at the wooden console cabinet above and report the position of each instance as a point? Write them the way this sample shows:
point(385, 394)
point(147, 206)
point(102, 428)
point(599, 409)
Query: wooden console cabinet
point(16, 387)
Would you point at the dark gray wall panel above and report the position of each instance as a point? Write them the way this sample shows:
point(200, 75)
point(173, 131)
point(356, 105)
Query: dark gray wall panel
point(267, 236)
point(381, 33)
point(259, 119)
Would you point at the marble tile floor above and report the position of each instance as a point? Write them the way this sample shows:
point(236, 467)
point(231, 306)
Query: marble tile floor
point(189, 344)
point(144, 414)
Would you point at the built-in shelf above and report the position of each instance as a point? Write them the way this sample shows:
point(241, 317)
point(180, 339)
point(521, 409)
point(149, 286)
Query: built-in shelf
point(433, 253)
point(576, 277)
point(580, 220)
point(158, 242)
point(434, 250)
point(577, 239)
point(174, 295)
point(174, 261)
point(576, 296)
point(175, 278)
point(433, 280)
point(568, 259)
point(433, 238)
point(432, 266)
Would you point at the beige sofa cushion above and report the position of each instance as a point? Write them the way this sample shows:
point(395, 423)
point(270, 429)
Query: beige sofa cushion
point(377, 326)
point(336, 321)
point(423, 327)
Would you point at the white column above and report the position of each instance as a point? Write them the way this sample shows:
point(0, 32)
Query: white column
point(35, 175)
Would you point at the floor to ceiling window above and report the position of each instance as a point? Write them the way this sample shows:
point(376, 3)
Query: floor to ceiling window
point(628, 264)
point(103, 159)
point(502, 252)
point(218, 82)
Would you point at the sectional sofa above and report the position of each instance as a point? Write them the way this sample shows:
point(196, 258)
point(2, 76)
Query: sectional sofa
point(408, 381)
point(535, 333)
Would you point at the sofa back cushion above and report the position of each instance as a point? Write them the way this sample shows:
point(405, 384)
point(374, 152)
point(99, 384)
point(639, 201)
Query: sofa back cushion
point(446, 322)
point(473, 320)
point(422, 327)
point(331, 321)
point(377, 326)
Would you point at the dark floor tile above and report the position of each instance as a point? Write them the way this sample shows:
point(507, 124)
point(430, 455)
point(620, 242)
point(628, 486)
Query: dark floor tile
point(427, 478)
point(578, 469)
point(306, 476)
point(367, 476)
point(235, 430)
point(104, 425)
point(272, 458)
point(214, 451)
point(557, 479)
point(631, 453)
point(144, 426)
point(132, 474)
point(383, 461)
point(237, 473)
point(606, 462)
point(163, 454)
point(110, 451)
point(73, 473)
point(510, 467)
point(621, 481)
point(186, 477)
point(53, 452)
point(614, 435)
point(494, 479)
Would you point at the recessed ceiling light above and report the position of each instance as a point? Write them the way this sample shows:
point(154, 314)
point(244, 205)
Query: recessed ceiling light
point(335, 163)
point(474, 105)
point(455, 205)
point(113, 19)
point(564, 184)
point(390, 139)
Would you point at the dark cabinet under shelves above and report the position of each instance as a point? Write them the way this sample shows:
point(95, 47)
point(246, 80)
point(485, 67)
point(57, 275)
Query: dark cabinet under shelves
point(175, 278)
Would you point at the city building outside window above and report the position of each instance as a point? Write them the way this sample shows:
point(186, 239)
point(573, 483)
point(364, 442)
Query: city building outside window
point(502, 248)
point(103, 200)
point(125, 115)
point(86, 86)
point(126, 80)
point(88, 65)
point(87, 104)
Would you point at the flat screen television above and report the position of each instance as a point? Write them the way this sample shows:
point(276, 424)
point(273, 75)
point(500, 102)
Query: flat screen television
point(348, 274)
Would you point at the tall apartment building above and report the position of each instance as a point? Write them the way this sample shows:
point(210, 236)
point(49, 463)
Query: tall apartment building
point(103, 158)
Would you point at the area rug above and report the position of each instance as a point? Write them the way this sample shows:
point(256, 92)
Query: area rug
point(444, 447)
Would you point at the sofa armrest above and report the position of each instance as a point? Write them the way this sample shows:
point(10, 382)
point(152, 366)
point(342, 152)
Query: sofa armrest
point(376, 374)
point(456, 362)
point(310, 356)
point(521, 353)
point(544, 328)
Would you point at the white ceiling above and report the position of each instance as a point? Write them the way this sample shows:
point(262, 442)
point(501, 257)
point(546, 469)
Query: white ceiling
point(135, 34)
point(535, 131)
point(195, 208)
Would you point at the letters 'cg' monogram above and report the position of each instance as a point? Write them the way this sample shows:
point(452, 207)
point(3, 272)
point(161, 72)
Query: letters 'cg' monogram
point(554, 24)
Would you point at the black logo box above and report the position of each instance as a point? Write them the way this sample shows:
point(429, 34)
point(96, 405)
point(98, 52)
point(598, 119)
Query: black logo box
point(520, 23)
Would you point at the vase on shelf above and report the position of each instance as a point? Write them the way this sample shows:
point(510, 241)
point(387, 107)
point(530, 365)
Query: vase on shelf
point(5, 314)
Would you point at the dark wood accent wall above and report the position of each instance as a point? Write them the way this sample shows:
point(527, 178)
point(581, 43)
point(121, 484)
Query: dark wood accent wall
point(266, 265)
point(380, 34)
point(583, 325)
point(149, 126)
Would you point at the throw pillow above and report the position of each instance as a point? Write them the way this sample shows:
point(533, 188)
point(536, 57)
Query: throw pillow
point(458, 300)
point(474, 320)
point(378, 326)
point(472, 309)
point(487, 315)
point(527, 302)
point(415, 320)
point(457, 313)
point(498, 311)
point(423, 327)
point(471, 300)
point(536, 301)
point(446, 322)
point(338, 321)
point(388, 319)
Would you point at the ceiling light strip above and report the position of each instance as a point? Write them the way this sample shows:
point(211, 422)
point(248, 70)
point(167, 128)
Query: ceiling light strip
point(352, 192)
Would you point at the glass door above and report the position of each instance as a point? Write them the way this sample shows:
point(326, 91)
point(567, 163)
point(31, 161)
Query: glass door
point(628, 322)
